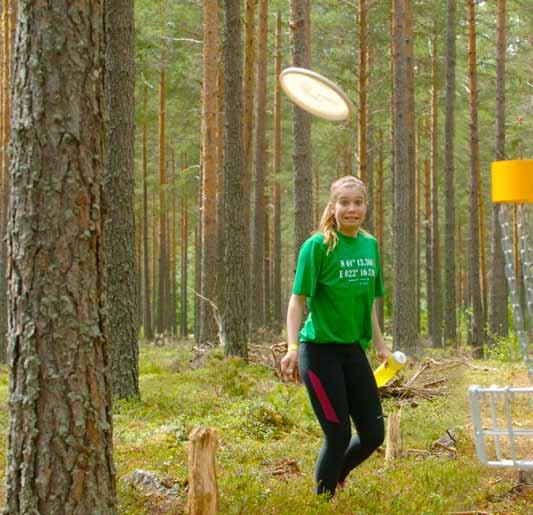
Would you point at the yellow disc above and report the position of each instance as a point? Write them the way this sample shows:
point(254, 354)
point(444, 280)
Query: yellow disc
point(512, 181)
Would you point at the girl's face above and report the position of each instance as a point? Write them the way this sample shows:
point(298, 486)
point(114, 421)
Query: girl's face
point(349, 209)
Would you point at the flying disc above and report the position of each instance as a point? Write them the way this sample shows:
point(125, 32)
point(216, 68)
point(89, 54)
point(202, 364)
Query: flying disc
point(316, 94)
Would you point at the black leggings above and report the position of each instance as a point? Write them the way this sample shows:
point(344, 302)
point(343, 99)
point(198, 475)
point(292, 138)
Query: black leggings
point(341, 384)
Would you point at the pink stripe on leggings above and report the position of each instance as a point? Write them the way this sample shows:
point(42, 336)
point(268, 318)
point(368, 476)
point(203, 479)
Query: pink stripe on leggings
point(323, 398)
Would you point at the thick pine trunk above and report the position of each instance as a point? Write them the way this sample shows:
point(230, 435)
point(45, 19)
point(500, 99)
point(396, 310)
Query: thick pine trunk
point(477, 324)
point(301, 126)
point(234, 320)
point(404, 315)
point(7, 29)
point(208, 328)
point(450, 311)
point(498, 324)
point(60, 457)
point(119, 190)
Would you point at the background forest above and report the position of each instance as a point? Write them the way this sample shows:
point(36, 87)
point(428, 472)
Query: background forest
point(156, 185)
point(169, 40)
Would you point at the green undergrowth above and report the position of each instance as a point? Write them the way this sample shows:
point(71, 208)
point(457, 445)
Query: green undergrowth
point(268, 440)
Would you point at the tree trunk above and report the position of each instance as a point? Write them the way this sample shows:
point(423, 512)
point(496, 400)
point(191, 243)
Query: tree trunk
point(436, 331)
point(301, 126)
point(4, 170)
point(362, 91)
point(498, 324)
point(172, 278)
point(404, 315)
point(184, 261)
point(147, 310)
point(450, 311)
point(234, 321)
point(119, 187)
point(163, 251)
point(248, 116)
point(429, 253)
point(259, 223)
point(60, 457)
point(276, 193)
point(220, 186)
point(208, 328)
point(380, 218)
point(477, 326)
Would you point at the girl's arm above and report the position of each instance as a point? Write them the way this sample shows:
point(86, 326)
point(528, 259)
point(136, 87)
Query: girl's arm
point(377, 336)
point(294, 320)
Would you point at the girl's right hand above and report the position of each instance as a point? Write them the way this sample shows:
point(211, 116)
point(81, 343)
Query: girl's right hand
point(289, 366)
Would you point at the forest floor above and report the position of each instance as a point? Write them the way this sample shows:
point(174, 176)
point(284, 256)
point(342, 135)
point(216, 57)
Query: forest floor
point(269, 439)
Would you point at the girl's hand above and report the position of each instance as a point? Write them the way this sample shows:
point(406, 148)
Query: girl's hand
point(383, 353)
point(289, 366)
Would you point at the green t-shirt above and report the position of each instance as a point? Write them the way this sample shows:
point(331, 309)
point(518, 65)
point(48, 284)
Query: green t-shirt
point(340, 288)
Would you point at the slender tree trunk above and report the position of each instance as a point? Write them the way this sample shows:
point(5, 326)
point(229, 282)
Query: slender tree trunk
point(208, 328)
point(301, 126)
point(276, 194)
point(380, 218)
point(147, 310)
point(220, 185)
point(259, 224)
point(362, 91)
point(173, 299)
point(498, 325)
point(429, 253)
point(436, 330)
point(163, 251)
point(184, 245)
point(234, 321)
point(404, 316)
point(450, 310)
point(477, 326)
point(417, 224)
point(248, 116)
point(60, 450)
point(155, 250)
point(119, 188)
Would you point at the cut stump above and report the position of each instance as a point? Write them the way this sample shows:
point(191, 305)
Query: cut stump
point(203, 491)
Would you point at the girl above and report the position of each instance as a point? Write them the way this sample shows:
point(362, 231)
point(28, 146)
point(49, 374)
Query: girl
point(338, 272)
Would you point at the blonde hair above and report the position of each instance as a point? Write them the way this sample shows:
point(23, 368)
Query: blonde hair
point(328, 224)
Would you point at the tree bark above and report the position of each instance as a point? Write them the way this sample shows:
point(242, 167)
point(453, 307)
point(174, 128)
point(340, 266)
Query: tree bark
point(60, 457)
point(276, 189)
point(208, 328)
point(362, 91)
point(404, 315)
point(184, 261)
point(119, 187)
point(147, 310)
point(301, 126)
point(436, 331)
point(498, 324)
point(234, 320)
point(163, 249)
point(477, 326)
point(259, 219)
point(450, 311)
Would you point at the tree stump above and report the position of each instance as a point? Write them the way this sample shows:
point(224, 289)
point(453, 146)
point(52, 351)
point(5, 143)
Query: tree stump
point(203, 491)
point(393, 444)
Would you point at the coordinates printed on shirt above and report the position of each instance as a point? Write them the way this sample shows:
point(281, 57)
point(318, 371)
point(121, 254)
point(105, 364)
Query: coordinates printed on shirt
point(357, 270)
